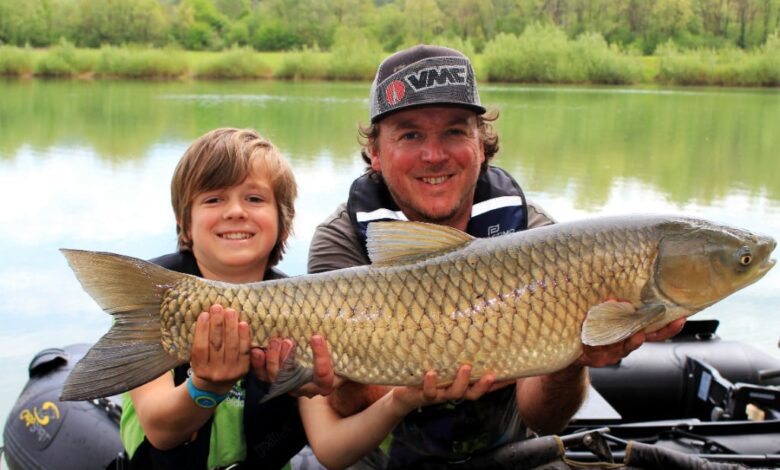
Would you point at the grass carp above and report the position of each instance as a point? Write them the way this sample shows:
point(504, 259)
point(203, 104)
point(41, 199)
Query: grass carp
point(517, 305)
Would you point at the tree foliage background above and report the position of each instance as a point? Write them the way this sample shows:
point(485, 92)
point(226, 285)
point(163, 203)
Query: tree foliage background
point(272, 25)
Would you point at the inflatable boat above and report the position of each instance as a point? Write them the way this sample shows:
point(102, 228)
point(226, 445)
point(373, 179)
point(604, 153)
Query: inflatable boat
point(695, 401)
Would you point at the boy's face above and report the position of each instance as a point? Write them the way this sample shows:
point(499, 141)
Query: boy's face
point(234, 229)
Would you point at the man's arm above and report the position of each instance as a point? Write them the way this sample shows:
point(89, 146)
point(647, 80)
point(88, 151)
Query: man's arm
point(546, 403)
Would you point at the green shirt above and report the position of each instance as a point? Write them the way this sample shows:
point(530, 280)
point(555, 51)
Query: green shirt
point(227, 445)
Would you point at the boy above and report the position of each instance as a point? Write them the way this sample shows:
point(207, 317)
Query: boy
point(232, 195)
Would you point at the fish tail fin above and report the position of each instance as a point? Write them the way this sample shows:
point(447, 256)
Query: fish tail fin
point(131, 353)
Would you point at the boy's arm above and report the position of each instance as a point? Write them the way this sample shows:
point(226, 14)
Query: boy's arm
point(220, 356)
point(338, 442)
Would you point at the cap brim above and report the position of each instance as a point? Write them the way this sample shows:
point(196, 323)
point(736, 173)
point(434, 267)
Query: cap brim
point(476, 108)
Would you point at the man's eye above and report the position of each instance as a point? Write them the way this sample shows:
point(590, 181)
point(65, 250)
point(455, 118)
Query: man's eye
point(409, 136)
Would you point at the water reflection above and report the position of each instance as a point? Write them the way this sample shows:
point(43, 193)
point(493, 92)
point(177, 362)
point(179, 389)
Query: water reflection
point(88, 164)
point(690, 146)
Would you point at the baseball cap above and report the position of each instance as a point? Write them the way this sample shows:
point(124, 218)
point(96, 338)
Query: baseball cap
point(423, 75)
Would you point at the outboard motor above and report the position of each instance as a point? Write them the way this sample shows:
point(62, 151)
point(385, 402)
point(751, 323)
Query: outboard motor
point(43, 432)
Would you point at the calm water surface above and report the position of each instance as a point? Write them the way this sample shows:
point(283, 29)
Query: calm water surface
point(88, 165)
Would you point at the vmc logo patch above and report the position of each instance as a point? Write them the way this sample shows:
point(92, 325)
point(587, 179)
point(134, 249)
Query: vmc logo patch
point(437, 76)
point(395, 92)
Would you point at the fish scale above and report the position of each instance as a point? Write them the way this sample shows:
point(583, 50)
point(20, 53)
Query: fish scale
point(540, 315)
point(434, 298)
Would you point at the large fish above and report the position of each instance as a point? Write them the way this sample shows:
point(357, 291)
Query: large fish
point(517, 305)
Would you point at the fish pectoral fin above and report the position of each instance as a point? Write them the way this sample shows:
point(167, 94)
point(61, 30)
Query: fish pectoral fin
point(291, 376)
point(397, 243)
point(610, 322)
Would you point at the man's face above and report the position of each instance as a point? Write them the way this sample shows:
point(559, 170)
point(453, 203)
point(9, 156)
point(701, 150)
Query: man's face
point(430, 159)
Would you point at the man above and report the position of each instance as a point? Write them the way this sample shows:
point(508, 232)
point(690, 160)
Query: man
point(428, 149)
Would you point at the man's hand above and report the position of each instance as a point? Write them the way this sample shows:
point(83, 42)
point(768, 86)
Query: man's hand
point(600, 356)
point(220, 350)
point(266, 365)
point(430, 394)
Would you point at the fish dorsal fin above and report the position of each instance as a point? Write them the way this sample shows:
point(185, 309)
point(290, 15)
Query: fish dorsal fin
point(396, 243)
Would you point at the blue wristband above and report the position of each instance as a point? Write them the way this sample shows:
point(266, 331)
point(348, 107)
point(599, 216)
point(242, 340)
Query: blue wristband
point(203, 398)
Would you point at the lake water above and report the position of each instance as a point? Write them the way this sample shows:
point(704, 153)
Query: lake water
point(88, 165)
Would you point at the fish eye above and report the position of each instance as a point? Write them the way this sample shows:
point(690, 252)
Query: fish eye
point(745, 257)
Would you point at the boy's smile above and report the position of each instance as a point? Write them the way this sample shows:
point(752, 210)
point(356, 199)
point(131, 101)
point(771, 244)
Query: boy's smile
point(234, 229)
point(236, 235)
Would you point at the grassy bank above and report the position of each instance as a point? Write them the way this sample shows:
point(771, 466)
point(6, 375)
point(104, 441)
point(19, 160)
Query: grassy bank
point(726, 67)
point(538, 56)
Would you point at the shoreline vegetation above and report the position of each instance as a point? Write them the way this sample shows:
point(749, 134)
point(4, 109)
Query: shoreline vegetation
point(541, 54)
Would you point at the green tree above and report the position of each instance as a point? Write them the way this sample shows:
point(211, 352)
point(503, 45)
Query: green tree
point(424, 20)
point(352, 13)
point(238, 33)
point(714, 15)
point(753, 18)
point(671, 17)
point(387, 26)
point(744, 11)
point(474, 19)
point(234, 9)
point(26, 22)
point(198, 25)
point(310, 20)
point(274, 35)
point(593, 16)
point(119, 21)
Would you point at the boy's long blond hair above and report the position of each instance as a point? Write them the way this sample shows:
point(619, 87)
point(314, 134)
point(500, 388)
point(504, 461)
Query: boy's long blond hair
point(225, 157)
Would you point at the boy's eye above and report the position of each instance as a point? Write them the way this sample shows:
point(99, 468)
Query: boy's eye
point(211, 200)
point(255, 199)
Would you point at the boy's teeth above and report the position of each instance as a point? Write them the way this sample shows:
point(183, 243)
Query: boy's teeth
point(236, 236)
point(437, 180)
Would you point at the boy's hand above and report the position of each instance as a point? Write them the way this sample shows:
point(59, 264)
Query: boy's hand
point(220, 350)
point(266, 365)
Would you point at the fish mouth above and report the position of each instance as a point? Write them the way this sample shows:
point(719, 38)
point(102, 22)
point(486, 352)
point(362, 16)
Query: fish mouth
point(767, 265)
point(770, 244)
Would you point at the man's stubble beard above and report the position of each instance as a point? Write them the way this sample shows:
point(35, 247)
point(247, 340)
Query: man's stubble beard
point(421, 214)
